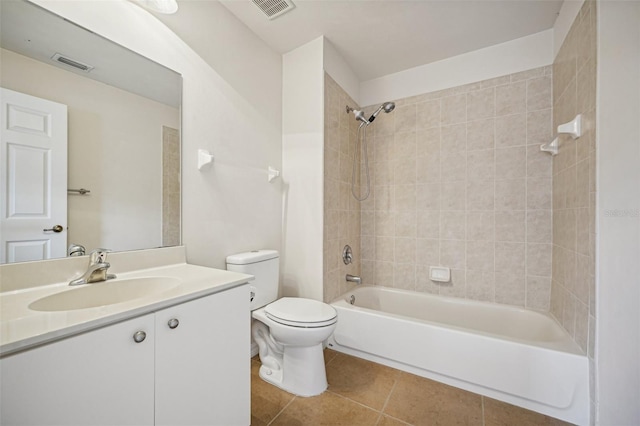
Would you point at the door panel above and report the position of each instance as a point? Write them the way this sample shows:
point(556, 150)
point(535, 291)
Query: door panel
point(33, 178)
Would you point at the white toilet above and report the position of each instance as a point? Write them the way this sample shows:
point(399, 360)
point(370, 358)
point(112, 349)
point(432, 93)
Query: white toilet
point(289, 331)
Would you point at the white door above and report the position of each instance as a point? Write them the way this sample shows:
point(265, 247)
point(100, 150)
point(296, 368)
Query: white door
point(33, 178)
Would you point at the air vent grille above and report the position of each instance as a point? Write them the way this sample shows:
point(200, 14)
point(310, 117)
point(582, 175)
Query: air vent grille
point(274, 8)
point(71, 62)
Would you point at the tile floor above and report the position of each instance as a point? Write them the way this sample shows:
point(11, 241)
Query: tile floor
point(365, 393)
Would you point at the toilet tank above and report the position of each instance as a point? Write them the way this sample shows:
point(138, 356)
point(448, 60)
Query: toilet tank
point(264, 265)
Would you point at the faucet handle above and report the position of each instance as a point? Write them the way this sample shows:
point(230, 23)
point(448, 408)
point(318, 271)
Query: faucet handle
point(98, 255)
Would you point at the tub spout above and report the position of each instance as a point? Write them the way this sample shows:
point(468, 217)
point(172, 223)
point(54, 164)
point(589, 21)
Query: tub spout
point(354, 279)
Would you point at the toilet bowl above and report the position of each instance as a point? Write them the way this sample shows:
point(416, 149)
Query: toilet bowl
point(290, 343)
point(290, 331)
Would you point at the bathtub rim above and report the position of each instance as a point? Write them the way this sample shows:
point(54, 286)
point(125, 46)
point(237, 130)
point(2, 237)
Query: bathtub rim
point(566, 345)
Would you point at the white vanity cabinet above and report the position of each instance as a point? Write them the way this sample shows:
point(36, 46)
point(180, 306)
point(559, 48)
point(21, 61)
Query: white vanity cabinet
point(192, 368)
point(97, 378)
point(202, 365)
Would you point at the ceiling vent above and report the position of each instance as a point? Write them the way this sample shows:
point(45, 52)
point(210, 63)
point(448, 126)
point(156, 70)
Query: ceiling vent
point(274, 8)
point(71, 62)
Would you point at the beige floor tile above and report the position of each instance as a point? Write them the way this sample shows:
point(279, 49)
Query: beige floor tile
point(266, 400)
point(329, 355)
point(327, 409)
point(421, 401)
point(363, 381)
point(498, 413)
point(388, 421)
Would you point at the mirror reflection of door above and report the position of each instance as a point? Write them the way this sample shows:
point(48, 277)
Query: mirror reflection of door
point(33, 178)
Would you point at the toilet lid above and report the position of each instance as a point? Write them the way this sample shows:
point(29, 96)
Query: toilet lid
point(301, 312)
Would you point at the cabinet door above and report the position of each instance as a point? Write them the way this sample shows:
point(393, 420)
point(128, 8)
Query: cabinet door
point(203, 364)
point(100, 377)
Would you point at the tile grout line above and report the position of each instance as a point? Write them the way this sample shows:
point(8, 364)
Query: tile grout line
point(281, 411)
point(386, 401)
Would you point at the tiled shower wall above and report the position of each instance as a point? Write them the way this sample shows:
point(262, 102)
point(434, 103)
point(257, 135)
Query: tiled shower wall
point(341, 210)
point(458, 180)
point(574, 176)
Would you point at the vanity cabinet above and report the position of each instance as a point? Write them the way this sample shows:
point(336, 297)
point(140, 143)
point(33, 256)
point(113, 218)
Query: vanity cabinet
point(191, 368)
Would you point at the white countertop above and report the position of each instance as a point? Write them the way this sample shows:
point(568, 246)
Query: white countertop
point(22, 328)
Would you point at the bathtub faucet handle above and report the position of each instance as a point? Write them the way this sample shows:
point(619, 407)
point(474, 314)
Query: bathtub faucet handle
point(354, 279)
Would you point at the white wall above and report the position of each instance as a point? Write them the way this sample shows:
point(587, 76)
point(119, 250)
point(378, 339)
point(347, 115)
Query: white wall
point(115, 150)
point(506, 58)
point(229, 207)
point(303, 170)
point(336, 66)
point(618, 204)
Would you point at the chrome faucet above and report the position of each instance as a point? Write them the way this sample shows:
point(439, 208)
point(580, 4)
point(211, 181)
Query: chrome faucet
point(354, 279)
point(97, 270)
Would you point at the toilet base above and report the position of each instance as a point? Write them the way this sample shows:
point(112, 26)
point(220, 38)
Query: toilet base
point(302, 372)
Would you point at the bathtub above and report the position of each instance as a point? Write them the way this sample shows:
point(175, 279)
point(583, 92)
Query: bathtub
point(515, 355)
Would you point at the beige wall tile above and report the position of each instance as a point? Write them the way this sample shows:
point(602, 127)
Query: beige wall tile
point(453, 138)
point(511, 162)
point(405, 250)
point(539, 193)
point(511, 130)
point(404, 276)
point(453, 166)
point(510, 288)
point(481, 225)
point(511, 98)
point(428, 114)
point(405, 118)
point(454, 109)
point(452, 225)
point(539, 93)
point(480, 255)
point(510, 194)
point(481, 285)
point(481, 165)
point(428, 196)
point(480, 194)
point(510, 226)
point(452, 195)
point(428, 168)
point(538, 293)
point(510, 257)
point(428, 252)
point(452, 254)
point(481, 104)
point(539, 226)
point(540, 127)
point(428, 224)
point(481, 134)
point(539, 259)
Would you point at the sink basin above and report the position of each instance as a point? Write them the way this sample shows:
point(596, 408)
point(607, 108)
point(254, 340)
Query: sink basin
point(104, 293)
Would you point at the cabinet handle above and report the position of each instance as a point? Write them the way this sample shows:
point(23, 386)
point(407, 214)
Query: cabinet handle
point(173, 323)
point(139, 336)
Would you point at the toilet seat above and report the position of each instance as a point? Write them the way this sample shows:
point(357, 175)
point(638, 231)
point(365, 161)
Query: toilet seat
point(300, 312)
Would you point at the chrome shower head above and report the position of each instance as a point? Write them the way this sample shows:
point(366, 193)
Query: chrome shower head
point(387, 107)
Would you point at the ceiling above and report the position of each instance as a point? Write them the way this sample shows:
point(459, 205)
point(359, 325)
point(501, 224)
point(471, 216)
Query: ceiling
point(380, 37)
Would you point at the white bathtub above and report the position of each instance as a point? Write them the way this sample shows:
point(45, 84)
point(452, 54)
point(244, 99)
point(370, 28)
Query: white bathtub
point(516, 355)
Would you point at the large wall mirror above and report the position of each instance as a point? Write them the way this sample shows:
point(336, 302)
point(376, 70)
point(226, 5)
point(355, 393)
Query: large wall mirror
point(89, 129)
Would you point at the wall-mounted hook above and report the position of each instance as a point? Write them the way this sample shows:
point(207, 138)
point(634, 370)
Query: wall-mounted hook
point(551, 147)
point(273, 173)
point(573, 128)
point(204, 158)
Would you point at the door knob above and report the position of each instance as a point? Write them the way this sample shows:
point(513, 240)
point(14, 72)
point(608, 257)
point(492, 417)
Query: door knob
point(56, 228)
point(173, 323)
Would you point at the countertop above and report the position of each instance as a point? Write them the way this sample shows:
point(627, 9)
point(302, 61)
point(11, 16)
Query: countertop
point(22, 328)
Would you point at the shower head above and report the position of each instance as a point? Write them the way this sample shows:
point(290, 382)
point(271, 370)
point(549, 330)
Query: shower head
point(358, 114)
point(387, 107)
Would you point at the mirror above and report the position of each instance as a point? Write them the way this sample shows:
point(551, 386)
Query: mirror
point(123, 138)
